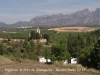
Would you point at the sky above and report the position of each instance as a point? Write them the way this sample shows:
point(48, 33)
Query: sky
point(12, 11)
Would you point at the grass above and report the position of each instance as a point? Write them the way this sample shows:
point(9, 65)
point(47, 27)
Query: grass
point(4, 60)
point(97, 72)
point(77, 67)
point(29, 64)
point(34, 64)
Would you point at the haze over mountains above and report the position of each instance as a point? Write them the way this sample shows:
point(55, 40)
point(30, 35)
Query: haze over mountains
point(82, 17)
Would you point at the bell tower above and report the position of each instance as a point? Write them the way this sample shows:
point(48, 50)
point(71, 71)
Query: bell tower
point(38, 31)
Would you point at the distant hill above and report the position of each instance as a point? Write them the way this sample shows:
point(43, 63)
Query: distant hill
point(3, 24)
point(82, 17)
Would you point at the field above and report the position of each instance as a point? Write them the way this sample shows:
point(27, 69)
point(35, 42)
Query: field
point(74, 29)
point(35, 68)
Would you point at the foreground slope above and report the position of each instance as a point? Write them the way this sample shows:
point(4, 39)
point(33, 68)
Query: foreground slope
point(4, 60)
point(35, 68)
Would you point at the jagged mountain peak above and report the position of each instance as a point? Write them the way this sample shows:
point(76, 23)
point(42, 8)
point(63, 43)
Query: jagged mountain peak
point(98, 9)
point(81, 17)
point(84, 10)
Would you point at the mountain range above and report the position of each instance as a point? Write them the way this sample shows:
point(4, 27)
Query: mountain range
point(82, 17)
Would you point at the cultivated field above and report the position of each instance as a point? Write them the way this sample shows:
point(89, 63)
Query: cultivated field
point(74, 29)
point(35, 68)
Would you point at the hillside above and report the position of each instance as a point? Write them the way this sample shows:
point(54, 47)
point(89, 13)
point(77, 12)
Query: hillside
point(3, 24)
point(4, 60)
point(35, 68)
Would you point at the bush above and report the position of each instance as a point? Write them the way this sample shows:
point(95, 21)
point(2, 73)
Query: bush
point(33, 56)
point(25, 55)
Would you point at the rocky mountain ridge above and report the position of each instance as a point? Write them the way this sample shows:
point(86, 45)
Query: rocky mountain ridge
point(82, 17)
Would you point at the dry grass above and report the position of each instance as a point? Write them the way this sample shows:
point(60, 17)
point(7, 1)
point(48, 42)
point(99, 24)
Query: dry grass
point(93, 71)
point(74, 29)
point(4, 60)
point(28, 66)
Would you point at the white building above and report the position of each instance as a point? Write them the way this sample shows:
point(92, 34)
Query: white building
point(73, 60)
point(48, 60)
point(65, 62)
point(41, 59)
point(38, 30)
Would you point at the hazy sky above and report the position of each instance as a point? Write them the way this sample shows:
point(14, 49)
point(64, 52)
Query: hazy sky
point(12, 11)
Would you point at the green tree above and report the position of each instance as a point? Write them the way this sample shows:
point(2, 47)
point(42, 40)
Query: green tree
point(73, 45)
point(27, 47)
point(90, 56)
point(17, 54)
point(59, 52)
point(25, 55)
point(84, 57)
point(22, 52)
point(2, 51)
point(33, 56)
point(11, 50)
point(32, 45)
point(33, 35)
point(37, 36)
point(40, 49)
point(95, 56)
point(46, 53)
point(46, 36)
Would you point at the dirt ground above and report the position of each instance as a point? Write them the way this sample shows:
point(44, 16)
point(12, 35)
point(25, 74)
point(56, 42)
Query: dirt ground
point(35, 68)
point(74, 29)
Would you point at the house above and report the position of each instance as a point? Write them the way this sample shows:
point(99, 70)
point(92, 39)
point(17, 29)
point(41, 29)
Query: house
point(48, 60)
point(65, 62)
point(38, 30)
point(41, 59)
point(73, 60)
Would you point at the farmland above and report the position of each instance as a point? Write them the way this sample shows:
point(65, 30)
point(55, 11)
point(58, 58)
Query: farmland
point(74, 29)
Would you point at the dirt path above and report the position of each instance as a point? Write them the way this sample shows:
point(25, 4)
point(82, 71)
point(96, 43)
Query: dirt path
point(37, 69)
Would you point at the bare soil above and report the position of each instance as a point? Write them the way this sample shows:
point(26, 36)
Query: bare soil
point(74, 29)
point(35, 68)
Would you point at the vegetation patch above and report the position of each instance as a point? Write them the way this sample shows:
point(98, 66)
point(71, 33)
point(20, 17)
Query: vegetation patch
point(4, 60)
